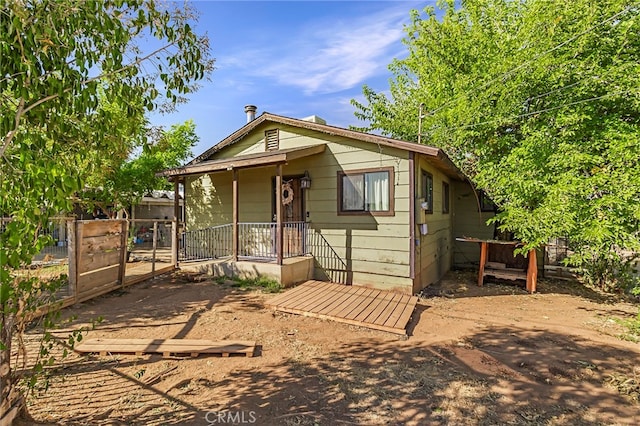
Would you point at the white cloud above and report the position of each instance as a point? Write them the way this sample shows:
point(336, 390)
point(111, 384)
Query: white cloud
point(330, 56)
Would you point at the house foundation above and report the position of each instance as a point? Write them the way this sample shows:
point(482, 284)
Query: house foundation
point(292, 271)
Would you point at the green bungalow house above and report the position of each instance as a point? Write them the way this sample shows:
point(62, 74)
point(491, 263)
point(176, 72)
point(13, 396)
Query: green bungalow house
point(298, 199)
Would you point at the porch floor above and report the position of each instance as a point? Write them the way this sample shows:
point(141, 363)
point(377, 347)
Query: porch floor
point(362, 306)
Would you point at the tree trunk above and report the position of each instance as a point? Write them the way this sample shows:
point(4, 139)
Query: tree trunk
point(7, 393)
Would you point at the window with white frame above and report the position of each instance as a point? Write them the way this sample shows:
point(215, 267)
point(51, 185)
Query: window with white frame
point(366, 192)
point(427, 191)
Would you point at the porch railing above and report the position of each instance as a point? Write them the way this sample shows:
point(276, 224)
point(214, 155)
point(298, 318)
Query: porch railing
point(256, 240)
point(208, 243)
point(328, 263)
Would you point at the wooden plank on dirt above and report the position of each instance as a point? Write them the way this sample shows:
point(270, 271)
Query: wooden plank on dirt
point(343, 320)
point(366, 301)
point(96, 228)
point(378, 304)
point(341, 293)
point(346, 300)
point(355, 305)
point(327, 303)
point(355, 298)
point(405, 316)
point(193, 347)
point(384, 303)
point(408, 312)
point(304, 296)
point(319, 299)
point(397, 312)
point(388, 311)
point(289, 295)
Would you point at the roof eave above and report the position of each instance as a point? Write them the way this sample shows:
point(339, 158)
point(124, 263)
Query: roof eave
point(447, 165)
point(265, 159)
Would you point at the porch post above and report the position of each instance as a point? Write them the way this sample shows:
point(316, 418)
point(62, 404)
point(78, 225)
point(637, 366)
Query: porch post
point(279, 214)
point(235, 215)
point(175, 229)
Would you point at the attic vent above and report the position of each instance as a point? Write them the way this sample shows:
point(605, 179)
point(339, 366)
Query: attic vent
point(272, 139)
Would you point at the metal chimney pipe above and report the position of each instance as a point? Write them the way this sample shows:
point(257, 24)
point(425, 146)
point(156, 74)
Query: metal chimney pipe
point(251, 112)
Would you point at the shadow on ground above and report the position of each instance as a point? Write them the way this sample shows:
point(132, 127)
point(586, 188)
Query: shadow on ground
point(500, 376)
point(495, 375)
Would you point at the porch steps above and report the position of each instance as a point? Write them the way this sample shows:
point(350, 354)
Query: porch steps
point(166, 347)
point(361, 306)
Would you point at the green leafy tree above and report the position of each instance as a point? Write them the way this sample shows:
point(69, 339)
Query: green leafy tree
point(538, 101)
point(125, 182)
point(59, 61)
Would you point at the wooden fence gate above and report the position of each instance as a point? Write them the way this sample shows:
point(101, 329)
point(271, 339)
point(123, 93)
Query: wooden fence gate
point(95, 253)
point(100, 257)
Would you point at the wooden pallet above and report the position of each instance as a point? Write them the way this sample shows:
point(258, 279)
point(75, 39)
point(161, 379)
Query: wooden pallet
point(166, 347)
point(361, 306)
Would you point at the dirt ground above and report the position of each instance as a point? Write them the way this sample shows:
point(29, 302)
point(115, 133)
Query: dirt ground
point(488, 356)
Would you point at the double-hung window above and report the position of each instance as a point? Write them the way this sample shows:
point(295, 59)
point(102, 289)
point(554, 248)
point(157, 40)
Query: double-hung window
point(366, 192)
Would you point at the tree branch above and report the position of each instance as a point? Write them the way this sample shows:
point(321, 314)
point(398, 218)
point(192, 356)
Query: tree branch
point(11, 134)
point(22, 111)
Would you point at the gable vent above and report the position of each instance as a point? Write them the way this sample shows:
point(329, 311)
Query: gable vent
point(272, 139)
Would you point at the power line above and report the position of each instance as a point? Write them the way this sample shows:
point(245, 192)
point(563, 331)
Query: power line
point(466, 126)
point(535, 58)
point(559, 89)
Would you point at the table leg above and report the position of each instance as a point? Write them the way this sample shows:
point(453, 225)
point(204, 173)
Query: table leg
point(532, 272)
point(484, 247)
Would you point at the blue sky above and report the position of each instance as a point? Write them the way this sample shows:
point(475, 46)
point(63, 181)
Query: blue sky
point(293, 58)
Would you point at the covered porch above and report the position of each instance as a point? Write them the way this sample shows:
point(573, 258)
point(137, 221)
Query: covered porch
point(272, 192)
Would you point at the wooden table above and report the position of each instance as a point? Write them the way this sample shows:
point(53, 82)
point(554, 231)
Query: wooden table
point(498, 270)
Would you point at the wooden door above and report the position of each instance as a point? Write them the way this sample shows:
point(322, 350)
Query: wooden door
point(292, 214)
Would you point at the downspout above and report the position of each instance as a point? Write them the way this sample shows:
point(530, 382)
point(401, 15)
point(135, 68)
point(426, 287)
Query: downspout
point(412, 198)
point(412, 217)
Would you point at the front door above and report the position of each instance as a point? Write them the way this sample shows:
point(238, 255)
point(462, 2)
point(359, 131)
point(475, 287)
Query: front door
point(292, 214)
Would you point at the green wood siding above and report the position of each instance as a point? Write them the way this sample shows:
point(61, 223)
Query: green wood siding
point(468, 222)
point(208, 200)
point(434, 250)
point(375, 249)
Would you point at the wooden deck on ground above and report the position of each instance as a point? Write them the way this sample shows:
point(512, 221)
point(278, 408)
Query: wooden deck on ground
point(166, 347)
point(362, 306)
